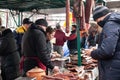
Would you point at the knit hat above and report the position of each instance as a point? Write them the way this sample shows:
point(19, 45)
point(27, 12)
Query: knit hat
point(26, 21)
point(100, 11)
point(42, 22)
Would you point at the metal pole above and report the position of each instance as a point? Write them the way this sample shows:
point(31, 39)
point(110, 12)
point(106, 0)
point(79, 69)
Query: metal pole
point(13, 18)
point(78, 42)
point(6, 19)
point(77, 14)
point(31, 15)
point(19, 19)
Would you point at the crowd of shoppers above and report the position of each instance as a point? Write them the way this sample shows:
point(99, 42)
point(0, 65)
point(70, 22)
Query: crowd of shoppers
point(35, 48)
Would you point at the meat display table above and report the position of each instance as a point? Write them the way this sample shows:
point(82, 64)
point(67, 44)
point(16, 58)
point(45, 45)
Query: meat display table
point(92, 74)
point(60, 61)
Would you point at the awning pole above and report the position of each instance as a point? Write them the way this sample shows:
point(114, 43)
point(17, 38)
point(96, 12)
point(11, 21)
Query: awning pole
point(6, 19)
point(31, 15)
point(19, 17)
point(14, 18)
point(78, 42)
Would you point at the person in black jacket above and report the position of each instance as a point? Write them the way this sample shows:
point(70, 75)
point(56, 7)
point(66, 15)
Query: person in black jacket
point(72, 44)
point(108, 51)
point(10, 56)
point(34, 48)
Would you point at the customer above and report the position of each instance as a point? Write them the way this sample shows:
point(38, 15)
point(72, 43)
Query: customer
point(60, 39)
point(72, 44)
point(18, 33)
point(34, 48)
point(50, 32)
point(108, 52)
point(10, 57)
point(94, 33)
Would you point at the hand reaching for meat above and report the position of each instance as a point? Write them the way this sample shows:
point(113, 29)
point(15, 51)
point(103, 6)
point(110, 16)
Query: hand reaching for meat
point(56, 69)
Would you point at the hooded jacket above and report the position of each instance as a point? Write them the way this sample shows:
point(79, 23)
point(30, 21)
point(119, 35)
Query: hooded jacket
point(108, 52)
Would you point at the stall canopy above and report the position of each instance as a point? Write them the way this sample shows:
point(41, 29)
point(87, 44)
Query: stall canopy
point(28, 5)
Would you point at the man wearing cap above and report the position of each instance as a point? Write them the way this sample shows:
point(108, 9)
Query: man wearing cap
point(34, 48)
point(20, 31)
point(108, 51)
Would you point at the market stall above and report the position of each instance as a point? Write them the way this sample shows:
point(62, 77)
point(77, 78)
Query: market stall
point(77, 67)
point(68, 69)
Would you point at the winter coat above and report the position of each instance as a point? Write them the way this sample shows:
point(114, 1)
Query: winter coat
point(108, 52)
point(34, 45)
point(60, 37)
point(72, 44)
point(10, 56)
point(93, 40)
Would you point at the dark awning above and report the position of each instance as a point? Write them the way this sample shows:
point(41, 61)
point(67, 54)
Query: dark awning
point(28, 5)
